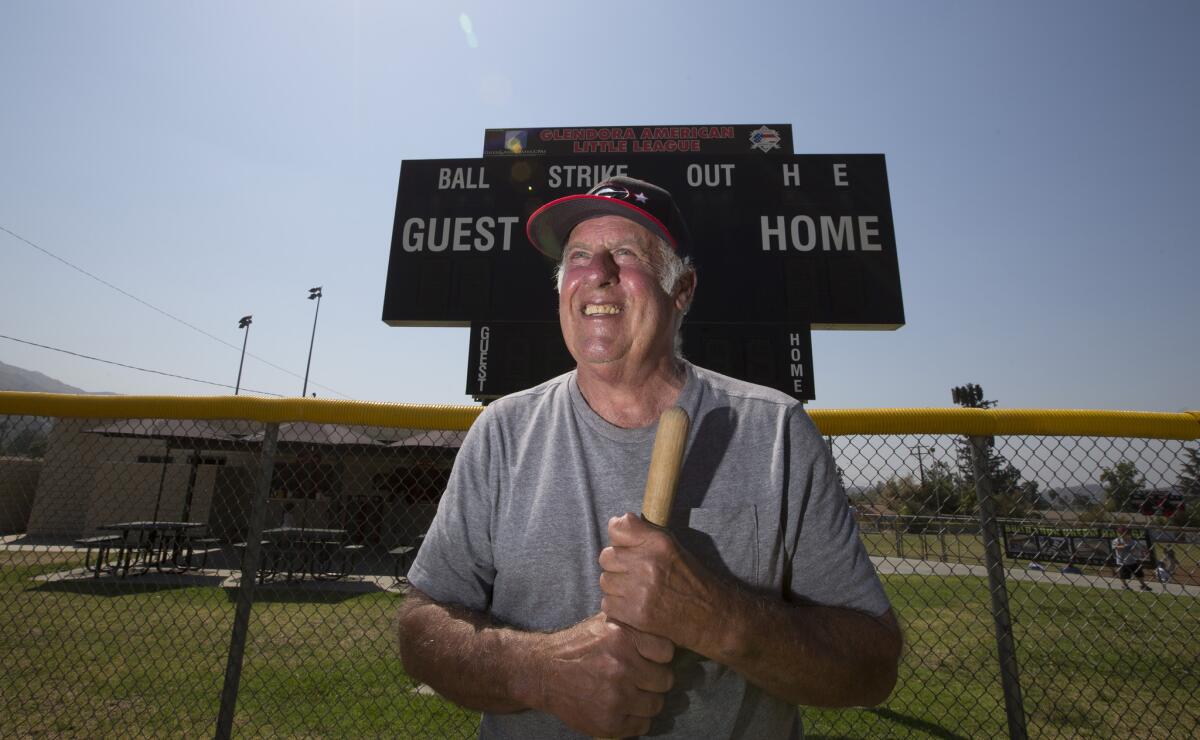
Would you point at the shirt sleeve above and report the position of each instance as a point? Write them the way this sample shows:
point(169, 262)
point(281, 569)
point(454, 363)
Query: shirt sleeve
point(829, 564)
point(455, 563)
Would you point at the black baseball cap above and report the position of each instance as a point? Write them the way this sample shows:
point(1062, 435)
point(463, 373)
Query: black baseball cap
point(642, 202)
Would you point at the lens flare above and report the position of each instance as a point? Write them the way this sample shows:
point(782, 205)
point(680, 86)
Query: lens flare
point(464, 22)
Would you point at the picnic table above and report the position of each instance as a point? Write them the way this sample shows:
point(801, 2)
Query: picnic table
point(316, 552)
point(151, 544)
point(403, 556)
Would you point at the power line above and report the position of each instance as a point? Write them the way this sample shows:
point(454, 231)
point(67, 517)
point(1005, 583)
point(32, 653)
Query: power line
point(132, 367)
point(151, 306)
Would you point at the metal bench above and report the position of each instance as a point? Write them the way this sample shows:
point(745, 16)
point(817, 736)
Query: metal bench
point(403, 556)
point(298, 559)
point(204, 544)
point(344, 560)
point(264, 558)
point(102, 544)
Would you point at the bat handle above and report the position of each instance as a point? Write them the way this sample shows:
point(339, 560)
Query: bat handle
point(665, 462)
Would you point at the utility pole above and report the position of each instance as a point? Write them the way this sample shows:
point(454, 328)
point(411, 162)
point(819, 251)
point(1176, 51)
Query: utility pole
point(919, 450)
point(977, 455)
point(313, 294)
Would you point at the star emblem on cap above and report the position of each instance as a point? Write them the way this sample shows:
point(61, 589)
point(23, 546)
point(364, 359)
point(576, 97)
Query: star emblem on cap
point(641, 197)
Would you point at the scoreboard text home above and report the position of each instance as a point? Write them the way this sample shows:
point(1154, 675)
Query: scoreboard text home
point(781, 243)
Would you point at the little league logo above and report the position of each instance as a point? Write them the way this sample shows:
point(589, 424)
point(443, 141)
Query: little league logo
point(516, 141)
point(764, 138)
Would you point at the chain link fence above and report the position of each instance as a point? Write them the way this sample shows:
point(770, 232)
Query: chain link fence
point(197, 567)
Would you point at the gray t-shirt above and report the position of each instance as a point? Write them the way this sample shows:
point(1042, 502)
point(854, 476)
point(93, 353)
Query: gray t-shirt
point(525, 515)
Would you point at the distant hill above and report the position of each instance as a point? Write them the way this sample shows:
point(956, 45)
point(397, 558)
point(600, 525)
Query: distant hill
point(1093, 493)
point(13, 378)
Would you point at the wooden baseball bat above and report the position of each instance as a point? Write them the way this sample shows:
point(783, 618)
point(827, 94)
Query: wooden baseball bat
point(665, 462)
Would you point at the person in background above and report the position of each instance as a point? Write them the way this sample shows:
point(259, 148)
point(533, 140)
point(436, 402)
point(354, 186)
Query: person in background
point(289, 516)
point(1130, 555)
point(1166, 566)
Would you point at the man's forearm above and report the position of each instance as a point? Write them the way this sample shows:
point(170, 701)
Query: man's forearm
point(804, 654)
point(599, 677)
point(464, 656)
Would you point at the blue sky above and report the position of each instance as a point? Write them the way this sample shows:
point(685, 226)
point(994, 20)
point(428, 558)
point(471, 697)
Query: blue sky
point(218, 159)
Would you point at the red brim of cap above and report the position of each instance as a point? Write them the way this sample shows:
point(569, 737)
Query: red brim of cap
point(550, 225)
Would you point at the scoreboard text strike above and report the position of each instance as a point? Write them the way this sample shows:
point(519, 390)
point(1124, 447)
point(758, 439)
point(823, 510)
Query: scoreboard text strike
point(798, 239)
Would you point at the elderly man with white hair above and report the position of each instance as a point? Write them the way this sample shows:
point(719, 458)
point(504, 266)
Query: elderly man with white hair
point(539, 599)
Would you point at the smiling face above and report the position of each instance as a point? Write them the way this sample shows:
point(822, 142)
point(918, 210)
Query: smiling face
point(611, 306)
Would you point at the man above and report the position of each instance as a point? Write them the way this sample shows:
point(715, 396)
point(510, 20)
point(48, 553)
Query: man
point(1129, 555)
point(539, 599)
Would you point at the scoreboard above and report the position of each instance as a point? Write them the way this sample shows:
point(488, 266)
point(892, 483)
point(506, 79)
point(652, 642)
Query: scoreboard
point(781, 243)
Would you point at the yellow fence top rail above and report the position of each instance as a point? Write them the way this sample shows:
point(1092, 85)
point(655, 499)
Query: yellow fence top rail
point(266, 410)
point(834, 422)
point(1008, 422)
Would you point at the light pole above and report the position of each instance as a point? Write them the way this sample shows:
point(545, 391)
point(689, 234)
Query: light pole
point(243, 323)
point(313, 294)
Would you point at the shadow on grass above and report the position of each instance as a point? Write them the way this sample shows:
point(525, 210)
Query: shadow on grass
point(921, 727)
point(916, 724)
point(284, 594)
point(111, 588)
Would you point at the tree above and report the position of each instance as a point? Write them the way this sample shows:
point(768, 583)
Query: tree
point(1122, 483)
point(1189, 476)
point(1188, 484)
point(946, 492)
point(903, 496)
point(942, 493)
point(1012, 497)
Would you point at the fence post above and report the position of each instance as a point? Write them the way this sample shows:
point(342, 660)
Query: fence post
point(1010, 680)
point(245, 597)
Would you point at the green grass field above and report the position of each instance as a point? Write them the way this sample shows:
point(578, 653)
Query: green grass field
point(83, 659)
point(1093, 663)
point(86, 659)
